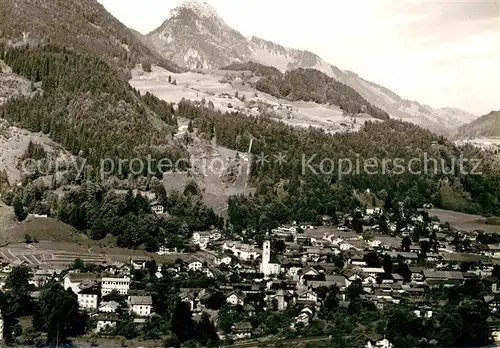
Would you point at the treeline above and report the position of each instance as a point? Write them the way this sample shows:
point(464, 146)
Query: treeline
point(313, 85)
point(291, 190)
point(88, 109)
point(100, 211)
point(163, 109)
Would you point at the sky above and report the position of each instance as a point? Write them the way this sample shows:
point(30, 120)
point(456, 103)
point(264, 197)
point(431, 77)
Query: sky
point(442, 53)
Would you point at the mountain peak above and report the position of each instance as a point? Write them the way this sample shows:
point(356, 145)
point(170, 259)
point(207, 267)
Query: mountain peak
point(201, 8)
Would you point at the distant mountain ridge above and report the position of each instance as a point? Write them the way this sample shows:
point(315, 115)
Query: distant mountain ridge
point(194, 36)
point(313, 85)
point(487, 126)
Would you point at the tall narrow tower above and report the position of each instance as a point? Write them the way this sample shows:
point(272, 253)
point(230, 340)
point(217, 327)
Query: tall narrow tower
point(266, 257)
point(266, 252)
point(1, 327)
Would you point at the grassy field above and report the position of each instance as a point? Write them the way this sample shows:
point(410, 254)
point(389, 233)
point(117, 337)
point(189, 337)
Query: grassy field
point(207, 85)
point(12, 231)
point(462, 221)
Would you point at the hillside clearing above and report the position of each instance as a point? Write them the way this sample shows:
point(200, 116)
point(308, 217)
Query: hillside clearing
point(463, 221)
point(207, 85)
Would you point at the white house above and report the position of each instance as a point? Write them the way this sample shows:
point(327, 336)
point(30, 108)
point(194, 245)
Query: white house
point(215, 236)
point(197, 236)
point(369, 280)
point(335, 241)
point(138, 263)
point(43, 276)
point(242, 251)
point(242, 330)
point(307, 295)
point(293, 271)
point(156, 207)
point(309, 271)
point(303, 318)
point(384, 343)
point(373, 271)
point(371, 211)
point(77, 281)
point(374, 243)
point(202, 239)
point(218, 260)
point(235, 298)
point(345, 246)
point(391, 227)
point(423, 313)
point(493, 250)
point(105, 321)
point(38, 280)
point(122, 285)
point(108, 307)
point(88, 298)
point(195, 266)
point(140, 305)
point(188, 298)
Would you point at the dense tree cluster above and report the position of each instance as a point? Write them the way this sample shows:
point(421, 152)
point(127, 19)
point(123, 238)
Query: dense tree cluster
point(34, 151)
point(163, 109)
point(256, 68)
point(100, 211)
point(56, 313)
point(313, 85)
point(87, 108)
point(460, 322)
point(484, 126)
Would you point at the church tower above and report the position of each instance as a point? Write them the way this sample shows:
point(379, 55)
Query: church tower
point(266, 257)
point(266, 252)
point(1, 327)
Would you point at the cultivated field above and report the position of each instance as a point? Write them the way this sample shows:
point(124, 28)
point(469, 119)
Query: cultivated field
point(62, 254)
point(60, 244)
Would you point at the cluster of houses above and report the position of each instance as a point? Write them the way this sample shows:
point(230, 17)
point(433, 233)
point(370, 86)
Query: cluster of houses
point(92, 291)
point(305, 266)
point(301, 272)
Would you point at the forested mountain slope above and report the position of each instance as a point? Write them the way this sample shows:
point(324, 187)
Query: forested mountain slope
point(439, 120)
point(87, 108)
point(82, 25)
point(313, 85)
point(485, 126)
point(295, 188)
